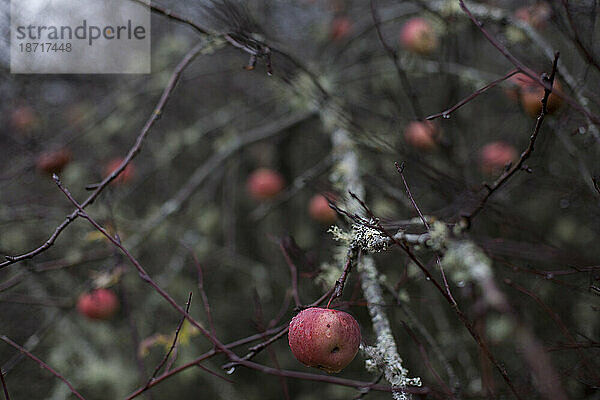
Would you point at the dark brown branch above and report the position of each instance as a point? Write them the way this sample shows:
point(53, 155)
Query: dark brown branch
point(338, 289)
point(293, 271)
point(446, 113)
point(400, 169)
point(198, 360)
point(41, 364)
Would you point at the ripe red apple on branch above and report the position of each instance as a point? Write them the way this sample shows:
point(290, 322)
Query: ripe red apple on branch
point(98, 304)
point(324, 338)
point(417, 35)
point(264, 184)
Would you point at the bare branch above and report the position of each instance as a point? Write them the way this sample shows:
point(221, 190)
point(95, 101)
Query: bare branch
point(41, 364)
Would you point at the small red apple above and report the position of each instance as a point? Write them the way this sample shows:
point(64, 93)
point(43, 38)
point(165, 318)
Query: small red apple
point(98, 304)
point(23, 118)
point(264, 184)
point(417, 35)
point(319, 210)
point(53, 161)
point(536, 15)
point(494, 156)
point(422, 135)
point(324, 338)
point(125, 176)
point(340, 27)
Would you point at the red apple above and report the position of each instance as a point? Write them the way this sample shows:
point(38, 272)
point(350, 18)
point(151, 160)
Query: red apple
point(319, 210)
point(529, 94)
point(53, 161)
point(536, 15)
point(340, 28)
point(23, 118)
point(125, 176)
point(417, 35)
point(531, 98)
point(98, 304)
point(422, 135)
point(494, 156)
point(264, 184)
point(324, 338)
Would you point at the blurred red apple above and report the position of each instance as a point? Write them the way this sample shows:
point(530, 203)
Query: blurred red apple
point(98, 304)
point(536, 15)
point(23, 118)
point(529, 94)
point(340, 27)
point(324, 338)
point(264, 184)
point(494, 157)
point(417, 35)
point(319, 210)
point(125, 176)
point(531, 98)
point(422, 135)
point(53, 161)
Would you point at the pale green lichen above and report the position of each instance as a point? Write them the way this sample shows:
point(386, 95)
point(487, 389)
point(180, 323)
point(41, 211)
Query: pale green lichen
point(465, 261)
point(384, 355)
point(328, 275)
point(438, 235)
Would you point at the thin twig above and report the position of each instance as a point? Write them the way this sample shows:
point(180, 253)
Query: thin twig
point(198, 360)
point(41, 364)
point(4, 387)
point(293, 271)
point(596, 185)
point(393, 54)
point(207, 310)
point(446, 113)
point(173, 344)
point(353, 255)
